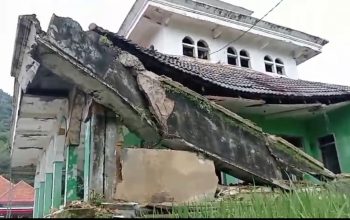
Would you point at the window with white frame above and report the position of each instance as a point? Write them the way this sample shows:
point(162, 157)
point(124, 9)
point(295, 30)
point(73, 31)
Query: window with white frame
point(244, 59)
point(188, 47)
point(202, 50)
point(231, 56)
point(276, 66)
point(269, 65)
point(279, 67)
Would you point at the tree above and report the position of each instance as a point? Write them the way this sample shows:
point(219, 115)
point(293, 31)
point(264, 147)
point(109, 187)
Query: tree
point(5, 119)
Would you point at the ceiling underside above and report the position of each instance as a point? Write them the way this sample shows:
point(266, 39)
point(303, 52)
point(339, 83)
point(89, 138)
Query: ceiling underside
point(273, 111)
point(36, 123)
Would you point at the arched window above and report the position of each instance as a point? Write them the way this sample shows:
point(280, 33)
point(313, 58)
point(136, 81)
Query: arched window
point(188, 47)
point(279, 66)
point(269, 65)
point(231, 56)
point(203, 50)
point(244, 59)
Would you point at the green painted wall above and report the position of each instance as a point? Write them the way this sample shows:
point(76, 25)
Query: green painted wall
point(284, 126)
point(41, 199)
point(338, 123)
point(309, 130)
point(57, 184)
point(48, 193)
point(36, 200)
point(87, 159)
point(132, 140)
point(71, 174)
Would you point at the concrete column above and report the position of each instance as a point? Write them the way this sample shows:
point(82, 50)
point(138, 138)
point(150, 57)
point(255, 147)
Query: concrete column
point(36, 199)
point(87, 159)
point(57, 184)
point(70, 192)
point(57, 171)
point(41, 199)
point(48, 178)
point(36, 191)
point(41, 179)
point(48, 193)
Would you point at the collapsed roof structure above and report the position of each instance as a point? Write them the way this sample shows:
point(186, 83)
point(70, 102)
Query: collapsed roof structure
point(156, 96)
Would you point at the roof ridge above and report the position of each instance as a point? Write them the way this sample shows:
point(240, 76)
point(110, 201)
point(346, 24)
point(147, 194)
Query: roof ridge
point(13, 190)
point(23, 182)
point(233, 80)
point(2, 177)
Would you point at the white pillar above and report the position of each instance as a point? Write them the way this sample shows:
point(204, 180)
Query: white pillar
point(59, 148)
point(57, 170)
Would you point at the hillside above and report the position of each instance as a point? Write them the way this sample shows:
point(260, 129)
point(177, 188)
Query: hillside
point(21, 173)
point(5, 117)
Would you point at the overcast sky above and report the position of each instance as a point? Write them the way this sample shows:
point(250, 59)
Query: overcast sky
point(324, 18)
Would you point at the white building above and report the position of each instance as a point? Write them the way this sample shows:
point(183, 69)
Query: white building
point(207, 28)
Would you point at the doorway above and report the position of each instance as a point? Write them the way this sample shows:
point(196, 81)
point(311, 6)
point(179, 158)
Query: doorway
point(329, 153)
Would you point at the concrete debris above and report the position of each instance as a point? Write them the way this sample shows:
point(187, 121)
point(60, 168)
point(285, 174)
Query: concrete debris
point(125, 209)
point(79, 209)
point(158, 176)
point(239, 191)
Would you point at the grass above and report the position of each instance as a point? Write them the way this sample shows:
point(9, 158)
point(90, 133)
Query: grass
point(327, 203)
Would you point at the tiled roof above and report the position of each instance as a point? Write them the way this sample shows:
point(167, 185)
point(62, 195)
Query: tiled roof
point(4, 185)
point(236, 79)
point(21, 192)
point(247, 80)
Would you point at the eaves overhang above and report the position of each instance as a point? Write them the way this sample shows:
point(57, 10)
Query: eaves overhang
point(309, 45)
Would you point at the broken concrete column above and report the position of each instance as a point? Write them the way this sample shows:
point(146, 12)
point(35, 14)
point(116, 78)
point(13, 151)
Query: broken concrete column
point(157, 176)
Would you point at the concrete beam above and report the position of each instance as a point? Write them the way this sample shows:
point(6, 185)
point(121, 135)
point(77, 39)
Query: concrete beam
point(31, 141)
point(37, 120)
point(42, 106)
point(35, 125)
point(77, 103)
point(157, 108)
point(24, 157)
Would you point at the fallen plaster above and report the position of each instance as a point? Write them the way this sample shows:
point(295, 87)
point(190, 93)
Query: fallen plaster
point(157, 176)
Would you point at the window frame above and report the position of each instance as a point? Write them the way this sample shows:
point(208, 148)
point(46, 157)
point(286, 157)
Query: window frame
point(233, 55)
point(280, 64)
point(188, 46)
point(244, 57)
point(204, 49)
point(269, 62)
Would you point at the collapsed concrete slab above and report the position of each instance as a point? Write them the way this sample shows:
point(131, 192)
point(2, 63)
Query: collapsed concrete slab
point(160, 110)
point(156, 176)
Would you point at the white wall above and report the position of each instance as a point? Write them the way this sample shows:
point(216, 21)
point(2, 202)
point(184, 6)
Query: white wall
point(168, 39)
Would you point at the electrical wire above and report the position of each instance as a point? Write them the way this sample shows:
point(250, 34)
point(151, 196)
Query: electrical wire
point(239, 37)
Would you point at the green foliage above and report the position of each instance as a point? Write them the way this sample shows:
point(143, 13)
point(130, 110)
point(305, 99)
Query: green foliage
point(5, 121)
point(297, 204)
point(5, 111)
point(96, 199)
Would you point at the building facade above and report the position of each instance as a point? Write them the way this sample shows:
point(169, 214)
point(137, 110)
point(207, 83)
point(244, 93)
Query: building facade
point(79, 97)
point(212, 31)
